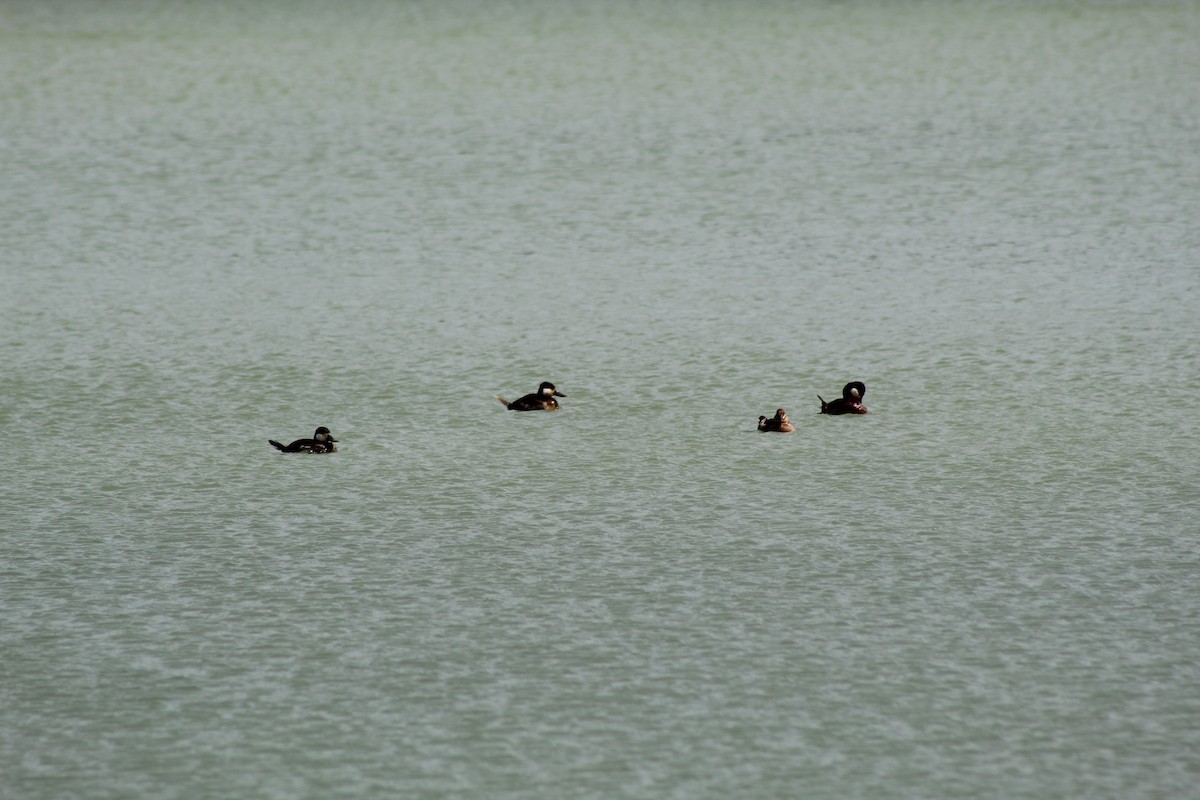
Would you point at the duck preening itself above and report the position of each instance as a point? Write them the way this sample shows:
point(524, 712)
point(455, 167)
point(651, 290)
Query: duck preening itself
point(321, 442)
point(779, 423)
point(541, 400)
point(849, 403)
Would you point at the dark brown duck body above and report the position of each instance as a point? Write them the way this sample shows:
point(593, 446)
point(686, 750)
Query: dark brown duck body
point(779, 422)
point(321, 442)
point(849, 403)
point(541, 400)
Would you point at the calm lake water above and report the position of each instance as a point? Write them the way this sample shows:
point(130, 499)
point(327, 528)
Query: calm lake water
point(225, 222)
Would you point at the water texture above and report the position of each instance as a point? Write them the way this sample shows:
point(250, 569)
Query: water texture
point(227, 222)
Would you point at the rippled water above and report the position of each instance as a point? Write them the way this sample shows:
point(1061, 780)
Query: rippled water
point(228, 222)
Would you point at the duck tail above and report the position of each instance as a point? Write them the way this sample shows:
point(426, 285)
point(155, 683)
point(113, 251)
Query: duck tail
point(277, 445)
point(502, 401)
point(824, 405)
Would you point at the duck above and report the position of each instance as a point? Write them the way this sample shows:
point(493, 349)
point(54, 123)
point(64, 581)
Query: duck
point(779, 423)
point(541, 400)
point(849, 403)
point(321, 442)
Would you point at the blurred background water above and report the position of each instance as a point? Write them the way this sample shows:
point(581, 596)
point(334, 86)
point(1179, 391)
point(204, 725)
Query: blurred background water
point(232, 221)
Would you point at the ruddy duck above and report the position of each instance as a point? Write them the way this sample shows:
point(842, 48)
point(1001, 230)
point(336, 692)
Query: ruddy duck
point(779, 423)
point(849, 403)
point(541, 400)
point(321, 442)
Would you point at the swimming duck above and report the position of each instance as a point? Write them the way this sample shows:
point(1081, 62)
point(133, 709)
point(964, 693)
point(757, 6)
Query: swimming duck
point(321, 442)
point(779, 423)
point(849, 403)
point(541, 400)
